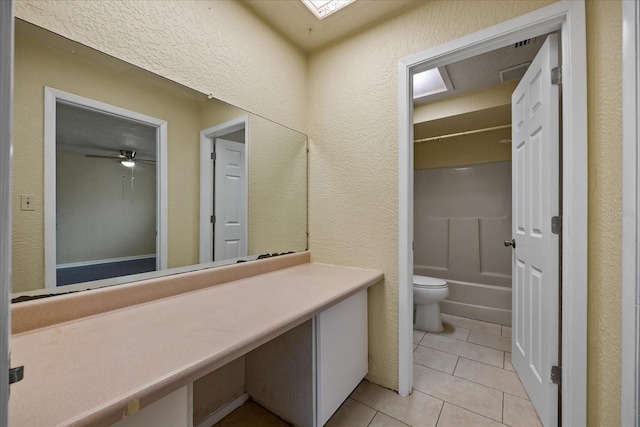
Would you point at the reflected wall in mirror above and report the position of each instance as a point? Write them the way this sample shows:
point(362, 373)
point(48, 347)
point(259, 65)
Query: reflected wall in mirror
point(276, 157)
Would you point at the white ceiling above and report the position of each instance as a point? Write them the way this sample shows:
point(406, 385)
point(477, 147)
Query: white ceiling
point(298, 24)
point(91, 132)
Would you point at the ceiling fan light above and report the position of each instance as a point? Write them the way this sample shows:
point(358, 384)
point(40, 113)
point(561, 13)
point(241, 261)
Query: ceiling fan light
point(127, 163)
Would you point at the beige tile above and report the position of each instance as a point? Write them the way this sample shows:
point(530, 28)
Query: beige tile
point(435, 359)
point(470, 351)
point(519, 412)
point(352, 414)
point(453, 331)
point(417, 336)
point(490, 376)
point(466, 394)
point(494, 341)
point(417, 409)
point(507, 362)
point(382, 420)
point(415, 346)
point(506, 331)
point(252, 414)
point(453, 416)
point(472, 324)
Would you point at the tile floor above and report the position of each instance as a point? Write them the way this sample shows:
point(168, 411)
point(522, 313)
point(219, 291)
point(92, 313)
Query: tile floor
point(461, 377)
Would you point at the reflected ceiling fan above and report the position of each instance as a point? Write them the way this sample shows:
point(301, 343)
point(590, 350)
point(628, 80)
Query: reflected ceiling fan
point(125, 158)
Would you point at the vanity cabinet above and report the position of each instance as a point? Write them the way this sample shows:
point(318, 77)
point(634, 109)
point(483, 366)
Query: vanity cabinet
point(341, 353)
point(299, 333)
point(304, 375)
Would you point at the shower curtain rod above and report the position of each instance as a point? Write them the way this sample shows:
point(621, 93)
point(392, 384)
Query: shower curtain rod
point(469, 132)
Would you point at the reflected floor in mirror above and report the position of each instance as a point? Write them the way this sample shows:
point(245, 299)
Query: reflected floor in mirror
point(87, 273)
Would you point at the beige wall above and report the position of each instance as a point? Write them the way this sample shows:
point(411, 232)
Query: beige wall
point(215, 47)
point(353, 130)
point(277, 188)
point(604, 47)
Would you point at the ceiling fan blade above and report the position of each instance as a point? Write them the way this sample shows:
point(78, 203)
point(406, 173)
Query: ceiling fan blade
point(144, 161)
point(98, 156)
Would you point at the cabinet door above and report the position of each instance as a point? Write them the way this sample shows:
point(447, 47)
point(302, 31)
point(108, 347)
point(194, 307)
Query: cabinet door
point(341, 353)
point(173, 410)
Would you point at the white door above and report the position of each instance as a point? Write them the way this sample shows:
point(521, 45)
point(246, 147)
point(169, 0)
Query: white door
point(535, 162)
point(230, 202)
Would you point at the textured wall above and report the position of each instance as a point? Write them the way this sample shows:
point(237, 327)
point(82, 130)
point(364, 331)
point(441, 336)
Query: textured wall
point(353, 129)
point(277, 188)
point(604, 47)
point(215, 47)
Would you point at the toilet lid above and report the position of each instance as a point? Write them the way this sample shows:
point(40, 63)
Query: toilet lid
point(428, 282)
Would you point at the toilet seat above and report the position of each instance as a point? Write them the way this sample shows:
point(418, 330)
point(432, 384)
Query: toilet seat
point(428, 282)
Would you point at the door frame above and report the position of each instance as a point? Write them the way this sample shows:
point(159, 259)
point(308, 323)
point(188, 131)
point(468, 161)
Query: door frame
point(207, 137)
point(569, 18)
point(6, 132)
point(51, 98)
point(630, 318)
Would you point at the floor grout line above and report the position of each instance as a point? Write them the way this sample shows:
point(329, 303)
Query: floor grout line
point(488, 364)
point(474, 412)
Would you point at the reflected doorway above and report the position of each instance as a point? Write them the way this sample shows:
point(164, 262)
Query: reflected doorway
point(102, 207)
point(224, 191)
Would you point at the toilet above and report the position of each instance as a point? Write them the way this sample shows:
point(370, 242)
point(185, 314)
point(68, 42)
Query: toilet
point(427, 294)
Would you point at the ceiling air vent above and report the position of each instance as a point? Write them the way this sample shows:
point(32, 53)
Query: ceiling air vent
point(523, 43)
point(512, 73)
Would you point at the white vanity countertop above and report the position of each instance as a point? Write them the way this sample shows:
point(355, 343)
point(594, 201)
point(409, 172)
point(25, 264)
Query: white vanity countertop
point(96, 369)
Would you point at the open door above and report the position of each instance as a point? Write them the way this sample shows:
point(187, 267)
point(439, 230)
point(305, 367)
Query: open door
point(230, 210)
point(535, 163)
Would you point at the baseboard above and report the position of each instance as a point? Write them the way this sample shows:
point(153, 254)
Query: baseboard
point(224, 411)
point(478, 312)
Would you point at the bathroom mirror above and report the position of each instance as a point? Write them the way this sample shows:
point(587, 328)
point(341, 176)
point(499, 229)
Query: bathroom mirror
point(182, 207)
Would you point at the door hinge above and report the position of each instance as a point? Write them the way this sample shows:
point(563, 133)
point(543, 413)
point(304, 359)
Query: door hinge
point(556, 224)
point(556, 76)
point(213, 156)
point(556, 375)
point(213, 219)
point(16, 374)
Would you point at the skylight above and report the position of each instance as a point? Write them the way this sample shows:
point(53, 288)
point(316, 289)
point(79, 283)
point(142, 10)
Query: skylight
point(430, 82)
point(324, 8)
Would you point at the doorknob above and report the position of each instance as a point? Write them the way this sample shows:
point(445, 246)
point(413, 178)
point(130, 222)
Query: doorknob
point(511, 242)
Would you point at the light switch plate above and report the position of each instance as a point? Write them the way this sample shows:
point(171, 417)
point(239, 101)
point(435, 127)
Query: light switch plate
point(26, 203)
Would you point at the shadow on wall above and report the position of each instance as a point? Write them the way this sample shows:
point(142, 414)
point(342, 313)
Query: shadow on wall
point(462, 215)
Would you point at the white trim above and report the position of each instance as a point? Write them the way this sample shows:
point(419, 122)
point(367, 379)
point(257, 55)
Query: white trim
point(569, 17)
point(104, 261)
point(6, 132)
point(224, 411)
point(629, 215)
point(51, 97)
point(207, 137)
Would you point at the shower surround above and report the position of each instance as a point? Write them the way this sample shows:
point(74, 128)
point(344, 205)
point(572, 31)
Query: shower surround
point(462, 216)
